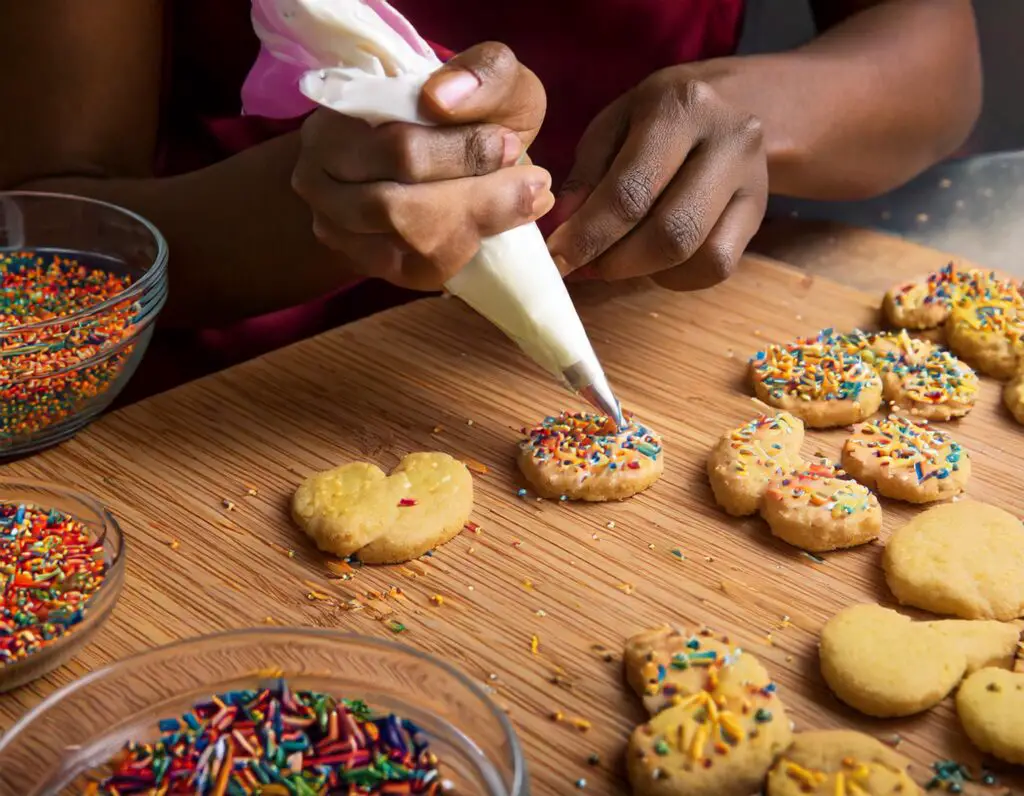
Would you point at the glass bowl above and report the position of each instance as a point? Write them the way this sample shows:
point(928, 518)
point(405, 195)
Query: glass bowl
point(101, 526)
point(82, 726)
point(58, 372)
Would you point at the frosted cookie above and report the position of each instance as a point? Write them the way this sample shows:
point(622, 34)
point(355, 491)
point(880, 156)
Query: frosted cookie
point(721, 741)
point(840, 763)
point(664, 665)
point(816, 510)
point(922, 379)
point(1013, 395)
point(961, 559)
point(357, 509)
point(884, 664)
point(821, 380)
point(925, 304)
point(990, 704)
point(744, 459)
point(989, 335)
point(585, 457)
point(907, 461)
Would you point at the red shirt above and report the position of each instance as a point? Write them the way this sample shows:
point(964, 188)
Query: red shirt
point(586, 52)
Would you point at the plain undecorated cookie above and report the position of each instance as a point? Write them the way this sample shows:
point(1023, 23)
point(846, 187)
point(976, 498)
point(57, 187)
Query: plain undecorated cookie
point(961, 559)
point(843, 762)
point(358, 509)
point(581, 456)
point(746, 458)
point(908, 461)
point(989, 335)
point(1013, 396)
point(990, 704)
point(664, 665)
point(816, 510)
point(884, 664)
point(718, 742)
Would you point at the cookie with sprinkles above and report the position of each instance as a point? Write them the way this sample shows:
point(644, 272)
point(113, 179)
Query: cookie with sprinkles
point(1013, 395)
point(579, 456)
point(840, 763)
point(989, 335)
point(884, 664)
point(823, 380)
point(720, 741)
point(990, 704)
point(746, 458)
point(921, 378)
point(904, 460)
point(665, 665)
point(816, 509)
point(925, 304)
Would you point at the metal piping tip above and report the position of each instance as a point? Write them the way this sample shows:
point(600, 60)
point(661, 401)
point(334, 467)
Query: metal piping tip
point(590, 382)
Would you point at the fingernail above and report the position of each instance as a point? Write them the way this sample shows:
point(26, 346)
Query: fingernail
point(455, 88)
point(542, 198)
point(562, 264)
point(513, 149)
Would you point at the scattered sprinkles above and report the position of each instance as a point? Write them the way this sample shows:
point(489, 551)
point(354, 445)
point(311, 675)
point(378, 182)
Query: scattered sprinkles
point(951, 776)
point(40, 381)
point(277, 741)
point(50, 567)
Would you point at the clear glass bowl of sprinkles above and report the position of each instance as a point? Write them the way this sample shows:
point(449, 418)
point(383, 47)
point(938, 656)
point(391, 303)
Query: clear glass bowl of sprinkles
point(62, 562)
point(262, 700)
point(81, 285)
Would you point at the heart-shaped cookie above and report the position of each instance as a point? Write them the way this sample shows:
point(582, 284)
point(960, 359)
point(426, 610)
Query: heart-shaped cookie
point(885, 664)
point(386, 519)
point(990, 704)
point(744, 459)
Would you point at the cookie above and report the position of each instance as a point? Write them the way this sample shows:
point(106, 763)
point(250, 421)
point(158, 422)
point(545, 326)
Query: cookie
point(721, 741)
point(586, 457)
point(823, 383)
point(907, 461)
point(665, 665)
point(884, 664)
point(744, 459)
point(357, 509)
point(990, 704)
point(840, 763)
point(925, 304)
point(921, 378)
point(989, 335)
point(816, 510)
point(961, 559)
point(1013, 396)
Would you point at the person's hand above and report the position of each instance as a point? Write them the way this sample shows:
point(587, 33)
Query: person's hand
point(409, 203)
point(669, 181)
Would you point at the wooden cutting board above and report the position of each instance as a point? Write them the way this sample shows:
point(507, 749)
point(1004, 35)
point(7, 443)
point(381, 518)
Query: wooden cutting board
point(581, 578)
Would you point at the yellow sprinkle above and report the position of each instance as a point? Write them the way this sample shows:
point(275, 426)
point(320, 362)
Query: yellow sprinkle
point(317, 595)
point(527, 584)
point(535, 644)
point(557, 715)
point(626, 588)
point(803, 775)
point(437, 599)
point(700, 738)
point(273, 671)
point(732, 726)
point(228, 504)
point(174, 544)
point(580, 724)
point(840, 785)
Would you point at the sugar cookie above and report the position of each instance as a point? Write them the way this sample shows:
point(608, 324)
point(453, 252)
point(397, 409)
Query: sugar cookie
point(921, 378)
point(823, 383)
point(1013, 395)
point(664, 665)
point(907, 461)
point(816, 510)
point(990, 704)
point(585, 457)
point(989, 335)
point(744, 459)
point(884, 664)
point(962, 559)
point(721, 741)
point(925, 304)
point(840, 763)
point(357, 509)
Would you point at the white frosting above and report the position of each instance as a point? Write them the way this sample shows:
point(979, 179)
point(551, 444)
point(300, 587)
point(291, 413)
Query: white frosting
point(374, 67)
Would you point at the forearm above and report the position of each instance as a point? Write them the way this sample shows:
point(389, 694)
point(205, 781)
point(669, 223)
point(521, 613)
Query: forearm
point(867, 105)
point(241, 241)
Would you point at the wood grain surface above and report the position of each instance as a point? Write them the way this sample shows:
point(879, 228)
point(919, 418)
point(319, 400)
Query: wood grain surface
point(204, 554)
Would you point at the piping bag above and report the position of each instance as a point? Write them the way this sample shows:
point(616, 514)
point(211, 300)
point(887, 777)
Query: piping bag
point(363, 59)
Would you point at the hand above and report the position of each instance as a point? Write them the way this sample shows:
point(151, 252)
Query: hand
point(409, 203)
point(669, 181)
